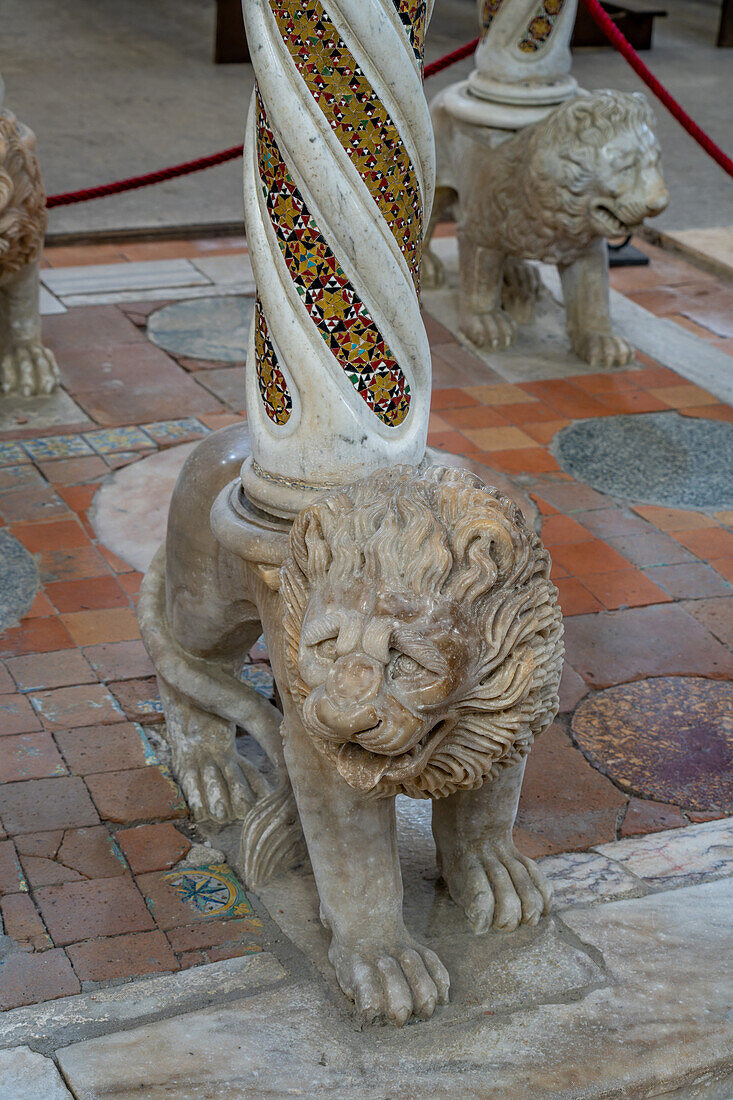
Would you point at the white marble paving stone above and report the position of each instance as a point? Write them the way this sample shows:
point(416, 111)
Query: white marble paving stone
point(101, 278)
point(25, 1075)
point(40, 412)
point(677, 857)
point(64, 1020)
point(129, 511)
point(227, 270)
point(48, 303)
point(586, 878)
point(658, 1028)
point(159, 294)
point(712, 245)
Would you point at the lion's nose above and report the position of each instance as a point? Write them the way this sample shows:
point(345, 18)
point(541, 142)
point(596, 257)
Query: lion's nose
point(354, 679)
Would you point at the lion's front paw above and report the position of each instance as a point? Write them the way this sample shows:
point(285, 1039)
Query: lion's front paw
point(433, 274)
point(29, 369)
point(603, 349)
point(496, 885)
point(495, 329)
point(394, 980)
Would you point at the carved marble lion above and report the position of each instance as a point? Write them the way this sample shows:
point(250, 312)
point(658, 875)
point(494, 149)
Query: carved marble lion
point(26, 367)
point(552, 192)
point(416, 642)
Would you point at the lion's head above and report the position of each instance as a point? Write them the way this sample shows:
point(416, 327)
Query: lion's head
point(22, 198)
point(595, 167)
point(422, 637)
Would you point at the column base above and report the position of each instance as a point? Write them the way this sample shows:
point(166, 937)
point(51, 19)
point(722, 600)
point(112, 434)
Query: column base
point(480, 101)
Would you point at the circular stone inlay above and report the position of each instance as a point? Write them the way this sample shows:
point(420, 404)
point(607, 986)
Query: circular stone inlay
point(204, 328)
point(19, 580)
point(656, 458)
point(669, 739)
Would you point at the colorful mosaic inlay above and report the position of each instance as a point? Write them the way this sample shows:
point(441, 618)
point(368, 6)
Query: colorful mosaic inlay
point(210, 890)
point(488, 12)
point(357, 117)
point(541, 25)
point(273, 387)
point(329, 298)
point(412, 13)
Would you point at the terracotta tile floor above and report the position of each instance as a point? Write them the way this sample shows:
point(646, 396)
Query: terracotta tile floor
point(92, 822)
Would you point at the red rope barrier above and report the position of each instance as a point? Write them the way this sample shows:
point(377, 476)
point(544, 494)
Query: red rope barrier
point(450, 58)
point(627, 51)
point(595, 10)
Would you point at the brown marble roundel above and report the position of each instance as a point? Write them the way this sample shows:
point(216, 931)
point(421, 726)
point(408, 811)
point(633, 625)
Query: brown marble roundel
point(668, 739)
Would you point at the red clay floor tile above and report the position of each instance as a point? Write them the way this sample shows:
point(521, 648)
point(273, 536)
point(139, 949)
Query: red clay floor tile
point(584, 558)
point(83, 705)
point(88, 594)
point(644, 817)
point(38, 805)
point(118, 624)
point(624, 588)
point(79, 911)
point(617, 647)
point(574, 598)
point(103, 748)
point(707, 543)
point(127, 956)
point(153, 847)
point(30, 978)
point(17, 716)
point(557, 529)
point(22, 922)
point(42, 635)
point(135, 795)
point(63, 668)
point(29, 756)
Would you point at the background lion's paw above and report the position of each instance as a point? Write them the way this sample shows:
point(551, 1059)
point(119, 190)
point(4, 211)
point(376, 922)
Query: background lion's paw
point(392, 983)
point(29, 369)
point(494, 329)
point(603, 349)
point(214, 786)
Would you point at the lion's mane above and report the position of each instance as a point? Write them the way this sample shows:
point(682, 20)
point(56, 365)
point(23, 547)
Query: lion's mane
point(442, 532)
point(22, 198)
point(541, 180)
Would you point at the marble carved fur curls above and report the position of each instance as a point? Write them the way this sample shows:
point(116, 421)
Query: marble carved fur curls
point(465, 553)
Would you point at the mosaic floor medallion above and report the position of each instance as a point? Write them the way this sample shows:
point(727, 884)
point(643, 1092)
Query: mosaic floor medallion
point(18, 580)
point(204, 328)
point(669, 739)
point(658, 458)
point(210, 891)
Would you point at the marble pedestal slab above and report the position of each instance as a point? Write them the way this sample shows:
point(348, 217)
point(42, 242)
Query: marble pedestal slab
point(658, 1026)
point(542, 348)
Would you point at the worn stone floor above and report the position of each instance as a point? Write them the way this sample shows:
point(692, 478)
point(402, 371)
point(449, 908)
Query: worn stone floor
point(103, 877)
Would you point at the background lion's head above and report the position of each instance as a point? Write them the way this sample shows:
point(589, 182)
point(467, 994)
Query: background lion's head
point(22, 198)
point(423, 640)
point(595, 167)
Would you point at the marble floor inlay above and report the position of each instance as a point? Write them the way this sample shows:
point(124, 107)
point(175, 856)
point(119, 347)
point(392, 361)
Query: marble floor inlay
point(204, 328)
point(659, 458)
point(669, 739)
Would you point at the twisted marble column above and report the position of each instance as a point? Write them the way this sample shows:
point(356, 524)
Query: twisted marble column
point(523, 57)
point(338, 183)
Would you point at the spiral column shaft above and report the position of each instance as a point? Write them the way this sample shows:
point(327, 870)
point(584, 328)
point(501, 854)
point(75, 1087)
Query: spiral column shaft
point(338, 181)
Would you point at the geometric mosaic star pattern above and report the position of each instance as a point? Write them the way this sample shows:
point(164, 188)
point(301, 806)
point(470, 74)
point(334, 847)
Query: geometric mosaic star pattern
point(332, 303)
point(273, 387)
point(412, 13)
point(357, 116)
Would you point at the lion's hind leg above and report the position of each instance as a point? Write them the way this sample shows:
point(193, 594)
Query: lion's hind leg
point(204, 706)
